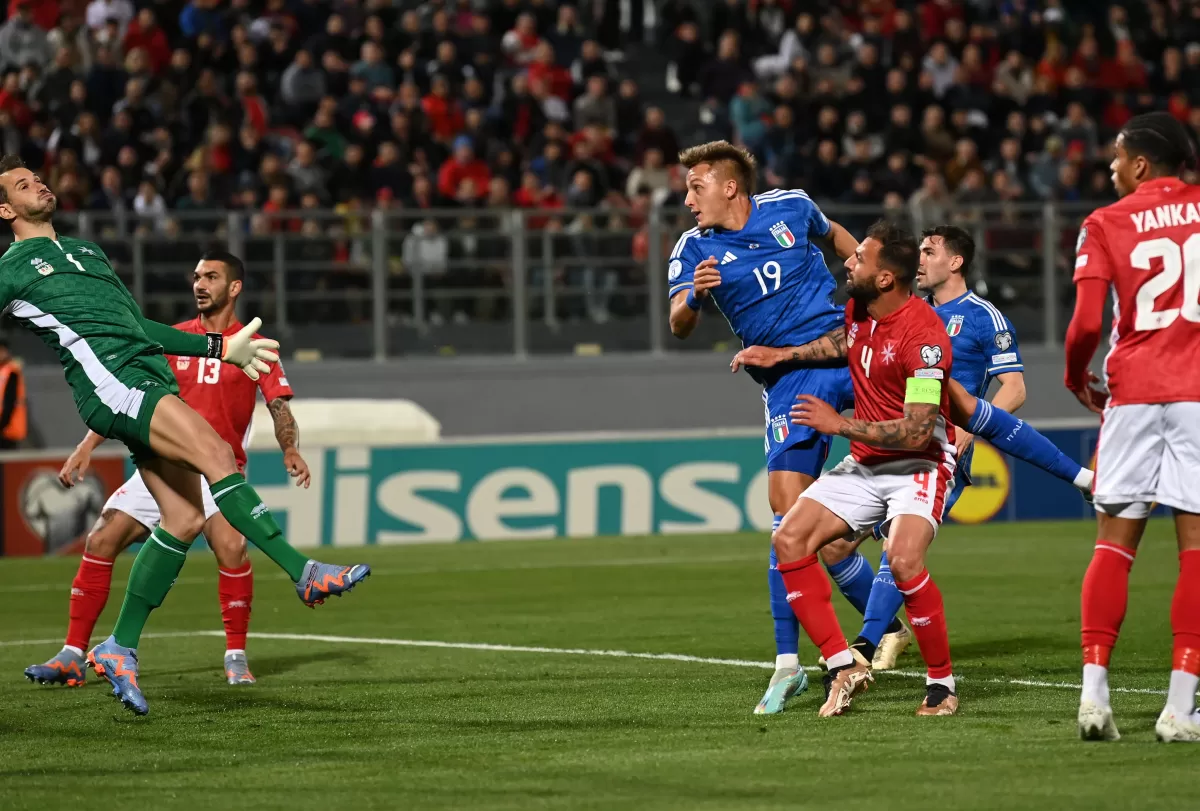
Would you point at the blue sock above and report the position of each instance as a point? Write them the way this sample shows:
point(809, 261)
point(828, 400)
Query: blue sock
point(883, 605)
point(787, 627)
point(1014, 437)
point(853, 577)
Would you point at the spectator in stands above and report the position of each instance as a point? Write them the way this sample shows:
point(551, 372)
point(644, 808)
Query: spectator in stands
point(22, 41)
point(747, 111)
point(651, 177)
point(566, 37)
point(150, 207)
point(202, 17)
point(145, 33)
point(305, 172)
point(463, 165)
point(101, 12)
point(688, 55)
point(301, 88)
point(656, 134)
point(521, 41)
point(720, 78)
point(596, 106)
point(591, 62)
point(931, 203)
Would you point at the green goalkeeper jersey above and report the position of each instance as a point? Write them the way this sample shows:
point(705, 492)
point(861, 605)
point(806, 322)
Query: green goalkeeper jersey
point(66, 292)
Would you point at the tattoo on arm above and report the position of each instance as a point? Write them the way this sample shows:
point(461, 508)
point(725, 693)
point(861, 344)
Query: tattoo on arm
point(830, 346)
point(287, 433)
point(910, 432)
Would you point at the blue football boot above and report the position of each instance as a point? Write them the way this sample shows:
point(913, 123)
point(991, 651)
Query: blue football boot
point(120, 666)
point(323, 580)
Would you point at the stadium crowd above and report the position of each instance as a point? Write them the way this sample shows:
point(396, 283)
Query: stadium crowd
point(147, 113)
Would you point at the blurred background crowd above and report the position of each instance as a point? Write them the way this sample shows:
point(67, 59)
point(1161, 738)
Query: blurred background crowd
point(161, 117)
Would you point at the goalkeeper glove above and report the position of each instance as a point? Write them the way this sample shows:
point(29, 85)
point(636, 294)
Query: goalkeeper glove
point(252, 355)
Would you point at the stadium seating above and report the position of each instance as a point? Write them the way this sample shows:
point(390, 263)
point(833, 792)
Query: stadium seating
point(282, 127)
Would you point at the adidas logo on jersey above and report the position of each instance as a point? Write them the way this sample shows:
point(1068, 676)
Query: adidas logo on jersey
point(729, 257)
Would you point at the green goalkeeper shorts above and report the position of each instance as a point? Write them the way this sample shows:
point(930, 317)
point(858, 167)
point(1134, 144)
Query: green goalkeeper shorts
point(122, 405)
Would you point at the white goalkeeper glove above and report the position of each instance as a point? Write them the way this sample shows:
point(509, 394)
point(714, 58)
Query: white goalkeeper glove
point(252, 355)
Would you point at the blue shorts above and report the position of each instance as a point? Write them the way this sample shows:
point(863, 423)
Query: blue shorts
point(798, 448)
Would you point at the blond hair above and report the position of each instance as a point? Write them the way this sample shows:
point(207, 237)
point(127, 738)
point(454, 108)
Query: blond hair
point(734, 161)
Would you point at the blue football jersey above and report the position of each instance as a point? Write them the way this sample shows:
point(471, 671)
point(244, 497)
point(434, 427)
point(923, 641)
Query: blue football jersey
point(775, 288)
point(983, 340)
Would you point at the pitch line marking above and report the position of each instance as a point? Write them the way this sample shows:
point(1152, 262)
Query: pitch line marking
point(616, 654)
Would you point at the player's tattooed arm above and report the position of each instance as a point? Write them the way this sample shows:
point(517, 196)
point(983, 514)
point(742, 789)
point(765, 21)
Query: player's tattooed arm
point(287, 433)
point(830, 346)
point(911, 432)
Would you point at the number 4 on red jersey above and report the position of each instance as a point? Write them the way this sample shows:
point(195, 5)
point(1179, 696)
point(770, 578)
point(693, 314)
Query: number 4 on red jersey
point(1146, 246)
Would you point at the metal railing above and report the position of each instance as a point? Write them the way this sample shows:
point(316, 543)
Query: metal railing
point(386, 282)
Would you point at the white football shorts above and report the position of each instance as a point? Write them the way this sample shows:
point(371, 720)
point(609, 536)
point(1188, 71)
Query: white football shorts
point(133, 498)
point(1148, 453)
point(863, 495)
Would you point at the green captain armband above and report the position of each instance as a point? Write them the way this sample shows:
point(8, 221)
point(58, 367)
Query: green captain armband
point(923, 390)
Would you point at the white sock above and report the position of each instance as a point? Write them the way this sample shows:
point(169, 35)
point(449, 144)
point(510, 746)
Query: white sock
point(1095, 684)
point(947, 682)
point(787, 661)
point(233, 651)
point(1085, 478)
point(840, 659)
point(1182, 694)
point(73, 650)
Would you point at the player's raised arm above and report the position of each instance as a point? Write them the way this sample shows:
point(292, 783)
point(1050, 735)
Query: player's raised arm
point(252, 355)
point(844, 243)
point(830, 346)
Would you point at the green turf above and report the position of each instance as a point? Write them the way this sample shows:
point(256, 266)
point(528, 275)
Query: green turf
point(338, 725)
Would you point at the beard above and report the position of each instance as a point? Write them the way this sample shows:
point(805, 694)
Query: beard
point(42, 211)
point(865, 292)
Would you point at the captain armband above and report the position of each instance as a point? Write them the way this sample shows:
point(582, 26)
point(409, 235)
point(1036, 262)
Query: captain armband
point(923, 389)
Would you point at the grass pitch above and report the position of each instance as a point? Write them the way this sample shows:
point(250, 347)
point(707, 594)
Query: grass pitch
point(339, 723)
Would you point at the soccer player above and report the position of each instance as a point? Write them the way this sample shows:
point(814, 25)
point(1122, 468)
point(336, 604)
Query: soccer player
point(985, 349)
point(1145, 248)
point(226, 401)
point(901, 465)
point(754, 256)
point(64, 290)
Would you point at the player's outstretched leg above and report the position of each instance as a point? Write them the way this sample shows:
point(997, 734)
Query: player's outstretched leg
point(113, 532)
point(1017, 439)
point(1179, 721)
point(789, 678)
point(179, 434)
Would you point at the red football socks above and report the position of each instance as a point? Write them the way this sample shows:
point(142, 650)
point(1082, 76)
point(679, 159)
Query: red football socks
point(236, 590)
point(1185, 614)
point(89, 593)
point(1105, 597)
point(927, 616)
point(811, 599)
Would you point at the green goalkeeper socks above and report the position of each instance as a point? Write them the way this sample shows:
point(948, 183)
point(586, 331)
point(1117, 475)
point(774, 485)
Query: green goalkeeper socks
point(153, 573)
point(250, 516)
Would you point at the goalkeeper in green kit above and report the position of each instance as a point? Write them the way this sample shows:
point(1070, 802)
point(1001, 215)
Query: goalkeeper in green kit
point(64, 290)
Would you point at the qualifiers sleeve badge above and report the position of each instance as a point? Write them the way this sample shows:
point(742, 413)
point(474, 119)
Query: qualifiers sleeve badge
point(1003, 340)
point(931, 355)
point(674, 270)
point(1081, 239)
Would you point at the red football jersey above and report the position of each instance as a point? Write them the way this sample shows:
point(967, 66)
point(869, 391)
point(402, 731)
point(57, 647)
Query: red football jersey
point(883, 355)
point(1147, 247)
point(222, 394)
